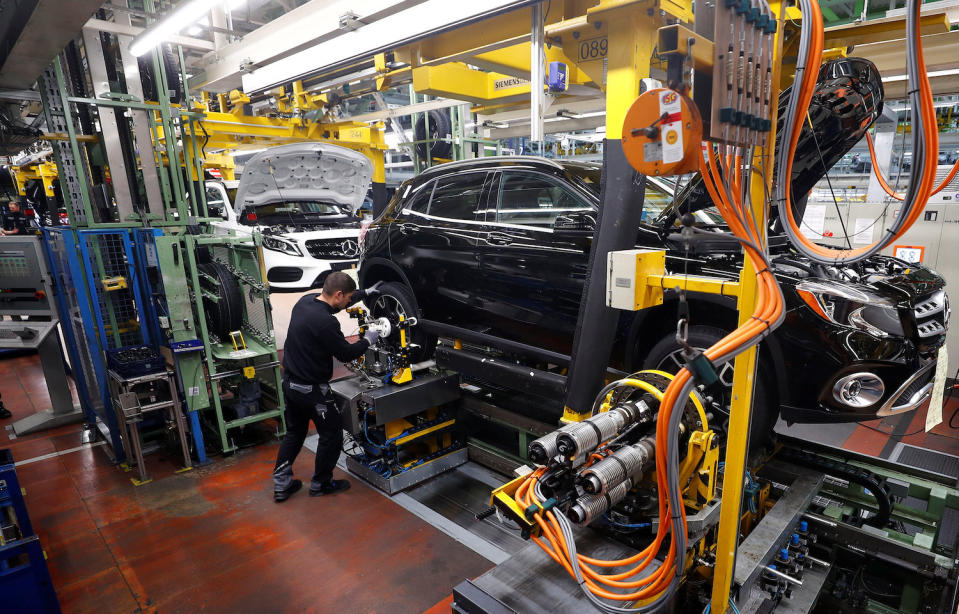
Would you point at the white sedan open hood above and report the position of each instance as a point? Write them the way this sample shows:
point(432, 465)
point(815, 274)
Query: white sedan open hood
point(305, 171)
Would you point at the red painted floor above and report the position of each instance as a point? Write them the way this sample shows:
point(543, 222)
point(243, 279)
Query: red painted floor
point(212, 539)
point(942, 438)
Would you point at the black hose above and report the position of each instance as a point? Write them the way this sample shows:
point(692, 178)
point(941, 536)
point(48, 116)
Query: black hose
point(851, 473)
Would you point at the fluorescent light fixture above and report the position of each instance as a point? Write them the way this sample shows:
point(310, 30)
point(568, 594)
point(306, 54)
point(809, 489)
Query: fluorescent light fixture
point(196, 29)
point(186, 13)
point(935, 73)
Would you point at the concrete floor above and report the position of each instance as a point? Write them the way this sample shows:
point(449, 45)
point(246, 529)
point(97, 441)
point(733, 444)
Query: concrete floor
point(212, 539)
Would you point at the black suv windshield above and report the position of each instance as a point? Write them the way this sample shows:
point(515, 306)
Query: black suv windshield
point(296, 212)
point(659, 203)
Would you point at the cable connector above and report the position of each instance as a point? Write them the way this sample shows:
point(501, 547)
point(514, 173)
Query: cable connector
point(700, 367)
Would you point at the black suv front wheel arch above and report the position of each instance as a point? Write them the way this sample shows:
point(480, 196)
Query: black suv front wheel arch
point(665, 356)
point(396, 299)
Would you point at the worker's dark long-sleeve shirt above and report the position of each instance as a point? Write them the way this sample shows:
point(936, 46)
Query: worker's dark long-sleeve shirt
point(314, 339)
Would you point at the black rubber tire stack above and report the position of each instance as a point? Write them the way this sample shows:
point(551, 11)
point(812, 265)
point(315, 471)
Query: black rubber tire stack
point(226, 315)
point(440, 127)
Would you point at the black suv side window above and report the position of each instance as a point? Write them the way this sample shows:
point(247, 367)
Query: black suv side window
point(457, 197)
point(419, 201)
point(532, 199)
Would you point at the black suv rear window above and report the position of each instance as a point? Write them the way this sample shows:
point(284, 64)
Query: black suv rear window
point(419, 201)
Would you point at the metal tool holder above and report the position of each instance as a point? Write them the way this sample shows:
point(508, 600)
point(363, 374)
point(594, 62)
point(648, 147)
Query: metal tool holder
point(98, 279)
point(417, 421)
point(30, 303)
point(135, 398)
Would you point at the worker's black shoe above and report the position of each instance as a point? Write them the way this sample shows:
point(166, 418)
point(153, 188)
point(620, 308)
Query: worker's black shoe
point(4, 412)
point(330, 487)
point(282, 495)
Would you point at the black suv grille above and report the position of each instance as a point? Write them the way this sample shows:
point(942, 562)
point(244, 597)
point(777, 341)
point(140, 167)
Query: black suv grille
point(932, 315)
point(343, 247)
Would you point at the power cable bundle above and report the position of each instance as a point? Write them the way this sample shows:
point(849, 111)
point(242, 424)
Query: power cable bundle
point(885, 184)
point(925, 138)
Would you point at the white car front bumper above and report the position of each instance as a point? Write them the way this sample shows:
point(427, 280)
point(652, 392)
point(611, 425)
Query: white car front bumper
point(286, 272)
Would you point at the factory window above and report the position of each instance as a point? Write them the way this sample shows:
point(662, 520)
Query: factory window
point(532, 199)
point(457, 197)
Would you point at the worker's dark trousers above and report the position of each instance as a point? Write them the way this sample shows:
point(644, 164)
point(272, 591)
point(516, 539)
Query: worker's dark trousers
point(305, 403)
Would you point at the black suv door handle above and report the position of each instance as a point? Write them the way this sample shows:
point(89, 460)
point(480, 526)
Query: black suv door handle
point(406, 228)
point(498, 238)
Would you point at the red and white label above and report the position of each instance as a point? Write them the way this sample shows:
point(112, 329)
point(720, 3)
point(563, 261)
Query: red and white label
point(671, 128)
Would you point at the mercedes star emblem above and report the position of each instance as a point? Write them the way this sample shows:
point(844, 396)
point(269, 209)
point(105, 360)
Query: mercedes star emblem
point(350, 248)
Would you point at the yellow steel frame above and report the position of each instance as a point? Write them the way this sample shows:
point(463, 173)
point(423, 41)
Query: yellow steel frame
point(46, 172)
point(233, 130)
point(457, 80)
point(223, 162)
point(424, 432)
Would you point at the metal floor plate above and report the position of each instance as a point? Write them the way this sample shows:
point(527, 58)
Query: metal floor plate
point(450, 502)
point(460, 494)
point(945, 464)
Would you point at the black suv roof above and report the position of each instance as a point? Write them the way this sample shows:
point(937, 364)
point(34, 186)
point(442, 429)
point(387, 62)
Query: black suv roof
point(491, 162)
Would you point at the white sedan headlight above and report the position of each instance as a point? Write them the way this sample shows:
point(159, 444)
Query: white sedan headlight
point(278, 244)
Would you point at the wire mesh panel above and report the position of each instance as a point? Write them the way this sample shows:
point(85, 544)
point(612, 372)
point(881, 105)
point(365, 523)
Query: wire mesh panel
point(112, 281)
point(68, 170)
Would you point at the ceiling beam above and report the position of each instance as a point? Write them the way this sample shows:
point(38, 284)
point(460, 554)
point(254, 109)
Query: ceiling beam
point(128, 30)
point(941, 86)
point(939, 52)
point(302, 28)
point(423, 20)
point(51, 25)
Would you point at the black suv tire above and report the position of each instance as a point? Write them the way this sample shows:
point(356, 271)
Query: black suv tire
point(395, 294)
point(765, 408)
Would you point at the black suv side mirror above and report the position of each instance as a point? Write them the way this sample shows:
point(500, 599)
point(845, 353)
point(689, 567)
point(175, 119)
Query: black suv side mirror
point(576, 220)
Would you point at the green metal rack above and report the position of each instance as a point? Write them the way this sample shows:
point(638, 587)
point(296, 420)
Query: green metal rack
point(127, 162)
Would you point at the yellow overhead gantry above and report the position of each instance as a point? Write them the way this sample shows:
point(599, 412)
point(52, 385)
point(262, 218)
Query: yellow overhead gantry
point(43, 170)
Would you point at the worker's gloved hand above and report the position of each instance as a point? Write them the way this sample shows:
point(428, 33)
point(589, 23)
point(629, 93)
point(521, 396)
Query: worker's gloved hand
point(372, 336)
point(374, 290)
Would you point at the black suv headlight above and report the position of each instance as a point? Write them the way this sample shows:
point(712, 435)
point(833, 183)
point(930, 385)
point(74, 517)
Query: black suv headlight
point(281, 245)
point(849, 305)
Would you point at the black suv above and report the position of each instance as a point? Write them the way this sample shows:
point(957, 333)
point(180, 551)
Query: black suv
point(501, 245)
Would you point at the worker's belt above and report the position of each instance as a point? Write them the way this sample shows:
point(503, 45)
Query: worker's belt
point(304, 388)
